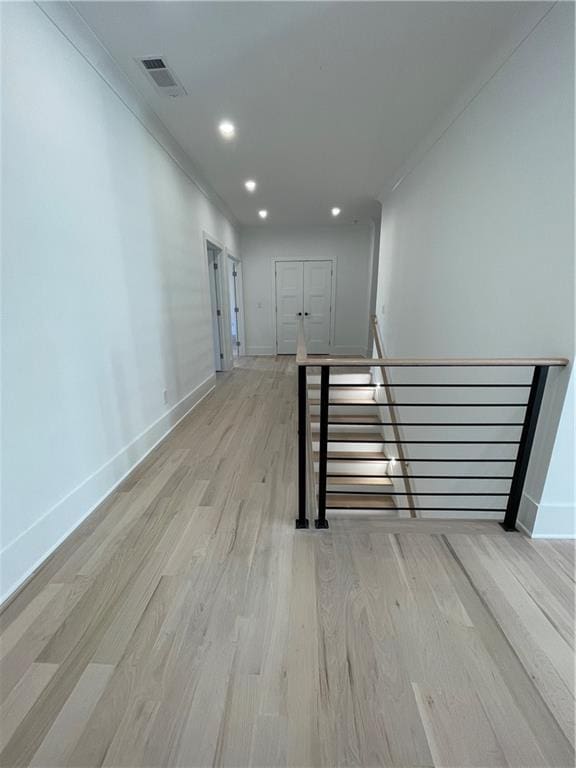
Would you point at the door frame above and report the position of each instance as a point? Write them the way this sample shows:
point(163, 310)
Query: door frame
point(225, 334)
point(240, 303)
point(334, 260)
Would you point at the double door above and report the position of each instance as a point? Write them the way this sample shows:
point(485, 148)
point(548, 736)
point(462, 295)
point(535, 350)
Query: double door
point(303, 290)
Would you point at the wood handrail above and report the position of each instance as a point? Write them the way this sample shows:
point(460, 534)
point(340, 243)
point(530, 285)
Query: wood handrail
point(377, 339)
point(301, 353)
point(431, 362)
point(393, 418)
point(303, 358)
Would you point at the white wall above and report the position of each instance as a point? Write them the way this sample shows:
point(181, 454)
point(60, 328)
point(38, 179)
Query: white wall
point(350, 247)
point(105, 289)
point(477, 241)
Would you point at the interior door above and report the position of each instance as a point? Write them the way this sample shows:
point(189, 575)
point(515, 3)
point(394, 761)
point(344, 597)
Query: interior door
point(303, 289)
point(216, 306)
point(317, 305)
point(289, 304)
point(234, 295)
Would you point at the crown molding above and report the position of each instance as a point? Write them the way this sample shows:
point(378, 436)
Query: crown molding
point(74, 28)
point(488, 71)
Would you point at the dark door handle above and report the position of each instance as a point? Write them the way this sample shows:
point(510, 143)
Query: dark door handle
point(300, 314)
point(306, 313)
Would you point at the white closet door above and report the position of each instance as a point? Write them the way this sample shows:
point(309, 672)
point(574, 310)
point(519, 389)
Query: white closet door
point(289, 304)
point(317, 305)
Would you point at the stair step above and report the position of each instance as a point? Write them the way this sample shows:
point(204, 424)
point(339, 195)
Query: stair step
point(352, 480)
point(350, 385)
point(344, 401)
point(358, 501)
point(354, 437)
point(346, 455)
point(349, 429)
point(352, 420)
point(343, 374)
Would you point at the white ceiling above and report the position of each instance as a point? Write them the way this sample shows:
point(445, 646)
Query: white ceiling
point(329, 98)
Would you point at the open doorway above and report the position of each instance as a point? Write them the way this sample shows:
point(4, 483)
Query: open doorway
point(213, 253)
point(236, 307)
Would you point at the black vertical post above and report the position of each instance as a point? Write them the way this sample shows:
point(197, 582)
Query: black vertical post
point(321, 522)
point(302, 520)
point(526, 441)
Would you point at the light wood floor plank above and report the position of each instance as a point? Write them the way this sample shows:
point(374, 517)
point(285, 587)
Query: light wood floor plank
point(72, 718)
point(22, 697)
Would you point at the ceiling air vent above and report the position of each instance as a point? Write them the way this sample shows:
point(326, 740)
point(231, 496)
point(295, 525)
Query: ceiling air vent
point(164, 80)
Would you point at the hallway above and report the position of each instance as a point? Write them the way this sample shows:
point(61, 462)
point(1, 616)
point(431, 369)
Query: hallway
point(187, 623)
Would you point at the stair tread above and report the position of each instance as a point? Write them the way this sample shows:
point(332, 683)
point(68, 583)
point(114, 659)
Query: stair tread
point(355, 437)
point(352, 455)
point(341, 385)
point(351, 480)
point(358, 501)
point(314, 370)
point(345, 400)
point(351, 419)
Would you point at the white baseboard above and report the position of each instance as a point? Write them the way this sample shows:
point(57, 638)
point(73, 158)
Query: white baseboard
point(543, 535)
point(351, 351)
point(527, 514)
point(524, 529)
point(546, 521)
point(555, 521)
point(266, 351)
point(260, 351)
point(22, 556)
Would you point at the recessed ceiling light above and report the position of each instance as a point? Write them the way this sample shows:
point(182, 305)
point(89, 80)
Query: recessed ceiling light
point(250, 185)
point(227, 129)
point(335, 211)
point(263, 213)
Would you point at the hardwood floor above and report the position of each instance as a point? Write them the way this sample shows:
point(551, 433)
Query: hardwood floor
point(187, 623)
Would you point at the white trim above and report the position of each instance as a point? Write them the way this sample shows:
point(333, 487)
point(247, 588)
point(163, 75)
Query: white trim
point(488, 71)
point(540, 536)
point(266, 351)
point(523, 529)
point(527, 511)
point(49, 531)
point(68, 20)
point(240, 299)
point(561, 518)
point(352, 351)
point(226, 334)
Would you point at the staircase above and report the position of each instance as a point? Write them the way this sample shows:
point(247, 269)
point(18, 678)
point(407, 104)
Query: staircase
point(353, 432)
point(470, 424)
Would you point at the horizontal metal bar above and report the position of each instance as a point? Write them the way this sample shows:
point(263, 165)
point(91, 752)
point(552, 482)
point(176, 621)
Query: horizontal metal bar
point(411, 460)
point(344, 385)
point(417, 493)
point(424, 477)
point(465, 461)
point(425, 424)
point(424, 509)
point(453, 405)
point(422, 442)
point(429, 405)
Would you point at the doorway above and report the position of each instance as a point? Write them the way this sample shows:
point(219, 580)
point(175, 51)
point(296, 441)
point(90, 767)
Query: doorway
point(213, 254)
point(303, 289)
